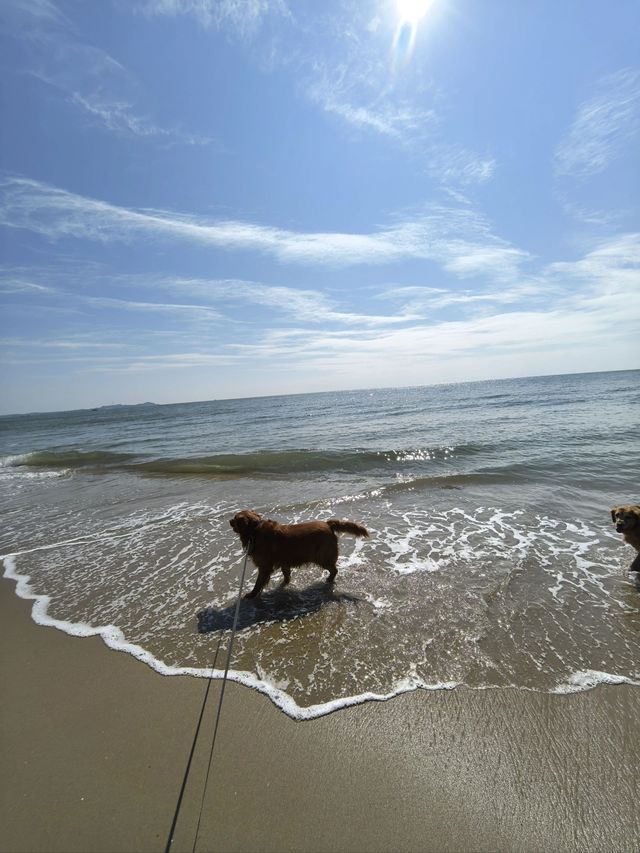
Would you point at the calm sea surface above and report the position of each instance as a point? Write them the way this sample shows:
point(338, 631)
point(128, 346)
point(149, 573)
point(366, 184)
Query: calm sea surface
point(492, 560)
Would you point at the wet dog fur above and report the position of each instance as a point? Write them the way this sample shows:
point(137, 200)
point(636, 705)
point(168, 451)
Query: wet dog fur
point(284, 546)
point(627, 521)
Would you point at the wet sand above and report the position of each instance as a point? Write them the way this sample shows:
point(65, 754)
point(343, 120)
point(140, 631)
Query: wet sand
point(95, 746)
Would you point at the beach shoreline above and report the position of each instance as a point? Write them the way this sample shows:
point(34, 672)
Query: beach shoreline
point(96, 745)
point(479, 572)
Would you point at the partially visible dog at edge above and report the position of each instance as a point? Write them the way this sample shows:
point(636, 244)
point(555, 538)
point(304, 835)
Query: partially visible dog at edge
point(627, 521)
point(284, 546)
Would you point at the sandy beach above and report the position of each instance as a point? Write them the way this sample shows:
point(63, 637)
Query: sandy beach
point(95, 745)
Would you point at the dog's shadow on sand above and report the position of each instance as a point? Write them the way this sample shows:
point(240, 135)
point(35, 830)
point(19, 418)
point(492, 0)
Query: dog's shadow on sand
point(278, 605)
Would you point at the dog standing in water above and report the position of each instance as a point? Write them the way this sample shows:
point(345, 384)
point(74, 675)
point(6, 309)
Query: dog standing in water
point(627, 521)
point(284, 546)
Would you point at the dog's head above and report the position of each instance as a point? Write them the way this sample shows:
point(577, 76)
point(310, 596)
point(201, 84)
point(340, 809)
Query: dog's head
point(626, 518)
point(245, 524)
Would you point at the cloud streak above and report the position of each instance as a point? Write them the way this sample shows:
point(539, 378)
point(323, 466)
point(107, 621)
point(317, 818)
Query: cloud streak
point(392, 120)
point(456, 238)
point(308, 306)
point(565, 325)
point(217, 298)
point(86, 76)
point(29, 14)
point(570, 307)
point(604, 126)
point(119, 117)
point(243, 17)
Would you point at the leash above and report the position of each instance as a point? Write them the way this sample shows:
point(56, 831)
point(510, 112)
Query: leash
point(193, 748)
point(215, 730)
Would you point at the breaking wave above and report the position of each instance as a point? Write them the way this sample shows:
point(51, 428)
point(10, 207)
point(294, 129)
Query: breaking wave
point(261, 463)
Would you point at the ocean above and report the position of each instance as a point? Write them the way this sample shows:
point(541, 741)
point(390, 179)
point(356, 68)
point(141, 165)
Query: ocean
point(492, 561)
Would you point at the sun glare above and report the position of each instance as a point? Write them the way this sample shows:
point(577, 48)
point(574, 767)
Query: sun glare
point(409, 14)
point(412, 10)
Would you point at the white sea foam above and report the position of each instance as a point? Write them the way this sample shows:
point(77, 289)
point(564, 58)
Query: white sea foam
point(14, 460)
point(266, 683)
point(113, 637)
point(578, 682)
point(13, 468)
point(164, 548)
point(379, 603)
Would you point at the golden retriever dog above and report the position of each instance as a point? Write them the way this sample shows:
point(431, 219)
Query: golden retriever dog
point(627, 521)
point(284, 546)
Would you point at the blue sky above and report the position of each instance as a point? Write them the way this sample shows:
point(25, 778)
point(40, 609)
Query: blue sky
point(206, 199)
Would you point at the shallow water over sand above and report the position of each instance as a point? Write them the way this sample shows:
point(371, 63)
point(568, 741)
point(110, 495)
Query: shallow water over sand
point(492, 561)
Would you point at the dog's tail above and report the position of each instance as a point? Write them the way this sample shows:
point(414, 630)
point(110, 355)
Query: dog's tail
point(347, 527)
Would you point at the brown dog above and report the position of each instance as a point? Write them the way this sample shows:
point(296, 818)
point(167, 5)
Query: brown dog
point(283, 546)
point(627, 521)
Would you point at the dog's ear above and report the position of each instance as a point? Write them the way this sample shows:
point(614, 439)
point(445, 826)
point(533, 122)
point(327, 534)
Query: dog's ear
point(613, 514)
point(251, 522)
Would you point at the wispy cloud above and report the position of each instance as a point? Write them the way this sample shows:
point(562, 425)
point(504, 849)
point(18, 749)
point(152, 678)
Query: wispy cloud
point(566, 323)
point(588, 216)
point(242, 17)
point(119, 117)
point(308, 306)
point(458, 239)
point(392, 120)
point(425, 301)
point(418, 130)
point(343, 57)
point(13, 284)
point(172, 308)
point(571, 306)
point(85, 75)
point(604, 126)
point(217, 298)
point(77, 343)
point(453, 164)
point(351, 74)
point(613, 266)
point(347, 73)
point(27, 14)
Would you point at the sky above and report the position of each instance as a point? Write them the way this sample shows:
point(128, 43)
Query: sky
point(206, 199)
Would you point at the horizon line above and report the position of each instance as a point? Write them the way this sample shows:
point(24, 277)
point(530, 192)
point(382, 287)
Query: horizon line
point(314, 393)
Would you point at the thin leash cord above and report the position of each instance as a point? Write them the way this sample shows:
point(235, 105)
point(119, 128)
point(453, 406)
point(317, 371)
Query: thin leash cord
point(224, 684)
point(206, 695)
point(193, 748)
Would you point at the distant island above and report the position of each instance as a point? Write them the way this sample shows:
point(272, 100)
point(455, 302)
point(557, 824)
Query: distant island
point(124, 406)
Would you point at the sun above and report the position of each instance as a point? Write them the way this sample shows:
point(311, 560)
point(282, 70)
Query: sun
point(410, 11)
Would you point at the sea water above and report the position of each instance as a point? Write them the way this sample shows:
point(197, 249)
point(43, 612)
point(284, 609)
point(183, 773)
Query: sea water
point(492, 560)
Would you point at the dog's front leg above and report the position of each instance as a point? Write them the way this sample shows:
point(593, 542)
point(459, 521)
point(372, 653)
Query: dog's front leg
point(261, 581)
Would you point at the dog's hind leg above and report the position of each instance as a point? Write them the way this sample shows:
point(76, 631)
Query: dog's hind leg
point(286, 576)
point(329, 560)
point(332, 568)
